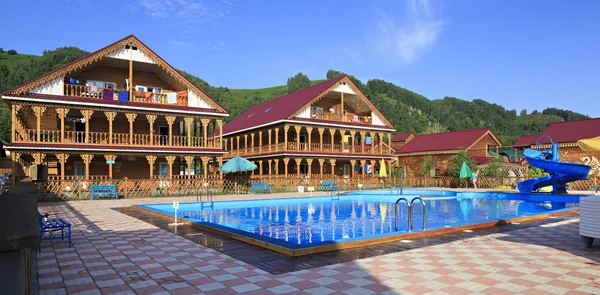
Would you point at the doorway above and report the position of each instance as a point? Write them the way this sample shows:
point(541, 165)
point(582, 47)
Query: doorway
point(163, 132)
point(79, 136)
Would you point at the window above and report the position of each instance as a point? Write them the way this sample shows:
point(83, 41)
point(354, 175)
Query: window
point(437, 172)
point(347, 169)
point(102, 84)
point(164, 169)
point(79, 169)
point(148, 89)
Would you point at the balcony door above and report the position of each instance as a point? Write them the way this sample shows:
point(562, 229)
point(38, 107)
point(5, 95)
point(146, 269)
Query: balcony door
point(163, 132)
point(79, 168)
point(303, 142)
point(347, 169)
point(79, 131)
point(163, 170)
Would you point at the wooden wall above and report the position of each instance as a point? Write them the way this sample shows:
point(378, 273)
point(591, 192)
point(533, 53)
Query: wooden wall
point(480, 148)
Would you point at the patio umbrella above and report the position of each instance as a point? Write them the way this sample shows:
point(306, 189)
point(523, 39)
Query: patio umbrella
point(382, 169)
point(237, 165)
point(590, 145)
point(465, 171)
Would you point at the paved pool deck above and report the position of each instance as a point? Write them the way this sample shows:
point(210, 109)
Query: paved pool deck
point(114, 253)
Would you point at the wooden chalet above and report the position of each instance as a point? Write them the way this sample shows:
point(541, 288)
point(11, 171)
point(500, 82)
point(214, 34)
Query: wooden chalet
point(413, 150)
point(119, 112)
point(329, 129)
point(566, 134)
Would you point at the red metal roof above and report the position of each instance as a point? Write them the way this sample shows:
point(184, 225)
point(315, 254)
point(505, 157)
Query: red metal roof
point(91, 147)
point(278, 108)
point(402, 136)
point(571, 131)
point(481, 159)
point(443, 141)
point(526, 140)
point(116, 102)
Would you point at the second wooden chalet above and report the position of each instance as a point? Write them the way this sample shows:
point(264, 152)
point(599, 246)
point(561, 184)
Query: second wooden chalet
point(119, 112)
point(413, 150)
point(329, 129)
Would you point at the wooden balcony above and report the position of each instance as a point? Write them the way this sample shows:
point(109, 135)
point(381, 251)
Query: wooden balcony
point(143, 97)
point(339, 117)
point(118, 139)
point(313, 147)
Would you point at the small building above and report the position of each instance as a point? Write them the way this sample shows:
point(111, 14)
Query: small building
point(412, 153)
point(566, 134)
point(401, 139)
point(329, 129)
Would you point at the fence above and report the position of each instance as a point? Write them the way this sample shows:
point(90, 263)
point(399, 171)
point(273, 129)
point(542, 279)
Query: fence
point(78, 189)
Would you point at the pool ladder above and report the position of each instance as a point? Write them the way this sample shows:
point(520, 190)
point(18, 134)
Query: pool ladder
point(209, 198)
point(410, 213)
point(335, 193)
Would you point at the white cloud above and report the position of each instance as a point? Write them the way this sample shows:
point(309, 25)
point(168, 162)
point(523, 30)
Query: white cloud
point(409, 38)
point(188, 14)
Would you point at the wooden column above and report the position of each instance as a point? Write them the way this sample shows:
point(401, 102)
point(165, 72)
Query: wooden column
point(285, 165)
point(277, 139)
point(260, 141)
point(309, 161)
point(151, 120)
point(170, 161)
point(246, 143)
point(220, 123)
point(15, 159)
point(321, 131)
point(15, 110)
point(342, 105)
point(87, 159)
point(151, 159)
point(298, 161)
point(276, 166)
point(170, 121)
point(364, 167)
point(87, 115)
point(332, 161)
point(309, 131)
point(298, 129)
point(238, 144)
point(321, 161)
point(205, 166)
point(352, 133)
point(254, 162)
point(260, 168)
point(285, 137)
point(270, 163)
point(362, 142)
point(269, 140)
point(188, 161)
point(110, 166)
point(130, 73)
point(188, 126)
point(62, 159)
point(352, 164)
point(130, 118)
point(39, 111)
point(110, 116)
point(205, 129)
point(252, 142)
point(380, 142)
point(220, 159)
point(389, 136)
point(332, 133)
point(62, 114)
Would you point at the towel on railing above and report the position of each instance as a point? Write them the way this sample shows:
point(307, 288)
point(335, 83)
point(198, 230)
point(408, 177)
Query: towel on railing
point(368, 140)
point(123, 96)
point(355, 118)
point(147, 96)
point(172, 98)
point(107, 94)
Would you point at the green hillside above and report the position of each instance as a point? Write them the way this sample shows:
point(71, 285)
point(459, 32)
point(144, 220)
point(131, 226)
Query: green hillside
point(405, 109)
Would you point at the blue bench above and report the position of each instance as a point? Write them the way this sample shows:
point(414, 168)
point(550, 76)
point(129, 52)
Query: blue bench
point(260, 187)
point(329, 186)
point(50, 226)
point(104, 191)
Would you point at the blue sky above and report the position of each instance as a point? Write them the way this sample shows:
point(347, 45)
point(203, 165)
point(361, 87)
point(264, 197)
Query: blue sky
point(520, 54)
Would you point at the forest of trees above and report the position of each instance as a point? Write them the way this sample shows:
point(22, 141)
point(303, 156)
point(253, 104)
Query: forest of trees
point(405, 109)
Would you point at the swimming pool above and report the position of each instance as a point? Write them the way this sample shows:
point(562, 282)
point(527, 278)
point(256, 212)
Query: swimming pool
point(297, 223)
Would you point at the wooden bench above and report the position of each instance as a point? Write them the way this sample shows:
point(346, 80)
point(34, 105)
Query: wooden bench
point(260, 187)
point(329, 186)
point(50, 226)
point(104, 191)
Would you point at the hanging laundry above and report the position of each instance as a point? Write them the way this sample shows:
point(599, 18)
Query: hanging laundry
point(355, 118)
point(172, 98)
point(346, 138)
point(368, 140)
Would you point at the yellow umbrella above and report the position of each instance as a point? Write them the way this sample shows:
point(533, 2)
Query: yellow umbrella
point(590, 145)
point(382, 170)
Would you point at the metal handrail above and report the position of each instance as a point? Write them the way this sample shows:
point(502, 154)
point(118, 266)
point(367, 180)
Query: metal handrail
point(397, 210)
point(209, 197)
point(424, 213)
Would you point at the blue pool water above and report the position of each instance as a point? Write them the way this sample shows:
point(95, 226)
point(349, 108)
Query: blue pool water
point(362, 214)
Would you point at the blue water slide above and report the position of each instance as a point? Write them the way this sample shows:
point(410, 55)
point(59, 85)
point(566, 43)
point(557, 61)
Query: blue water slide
point(561, 173)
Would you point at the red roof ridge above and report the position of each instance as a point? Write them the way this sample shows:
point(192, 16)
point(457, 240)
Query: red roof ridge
point(456, 131)
point(573, 121)
point(402, 136)
point(444, 141)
